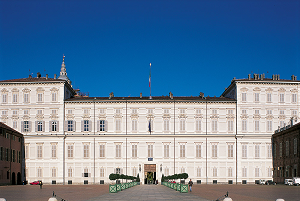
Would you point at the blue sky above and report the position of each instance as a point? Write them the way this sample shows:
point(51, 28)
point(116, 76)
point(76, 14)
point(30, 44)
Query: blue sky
point(194, 46)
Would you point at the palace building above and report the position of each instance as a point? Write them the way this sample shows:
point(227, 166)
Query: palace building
point(73, 139)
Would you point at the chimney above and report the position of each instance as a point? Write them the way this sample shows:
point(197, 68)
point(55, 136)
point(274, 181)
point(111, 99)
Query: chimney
point(249, 76)
point(111, 95)
point(273, 77)
point(262, 76)
point(30, 76)
point(171, 95)
point(54, 76)
point(201, 95)
point(141, 95)
point(46, 76)
point(38, 75)
point(278, 77)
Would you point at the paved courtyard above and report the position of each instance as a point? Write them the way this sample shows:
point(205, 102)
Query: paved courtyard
point(150, 192)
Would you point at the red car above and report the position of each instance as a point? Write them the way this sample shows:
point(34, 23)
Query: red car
point(35, 183)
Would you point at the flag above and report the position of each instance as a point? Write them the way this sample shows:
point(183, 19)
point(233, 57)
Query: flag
point(150, 76)
point(149, 126)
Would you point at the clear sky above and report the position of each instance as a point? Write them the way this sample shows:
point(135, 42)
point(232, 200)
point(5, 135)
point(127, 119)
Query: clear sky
point(194, 45)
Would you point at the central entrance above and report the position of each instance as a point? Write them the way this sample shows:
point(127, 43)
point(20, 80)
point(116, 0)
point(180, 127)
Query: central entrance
point(150, 173)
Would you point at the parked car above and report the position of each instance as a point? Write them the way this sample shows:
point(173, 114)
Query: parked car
point(262, 182)
point(288, 182)
point(296, 181)
point(270, 182)
point(35, 183)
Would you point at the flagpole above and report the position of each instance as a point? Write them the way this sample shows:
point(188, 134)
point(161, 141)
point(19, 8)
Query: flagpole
point(150, 82)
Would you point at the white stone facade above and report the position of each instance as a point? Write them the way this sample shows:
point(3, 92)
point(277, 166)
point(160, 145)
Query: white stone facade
point(84, 139)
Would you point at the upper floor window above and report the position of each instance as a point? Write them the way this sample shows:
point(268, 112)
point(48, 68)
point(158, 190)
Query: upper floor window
point(214, 111)
point(182, 150)
point(214, 125)
point(182, 111)
point(257, 112)
point(150, 111)
point(294, 98)
point(40, 97)
point(101, 111)
point(198, 125)
point(53, 126)
point(4, 98)
point(230, 111)
point(214, 148)
point(230, 150)
point(166, 150)
point(54, 97)
point(150, 150)
point(86, 150)
point(256, 97)
point(39, 126)
point(269, 97)
point(70, 125)
point(85, 125)
point(102, 151)
point(102, 125)
point(230, 125)
point(281, 98)
point(15, 98)
point(244, 111)
point(26, 98)
point(182, 124)
point(269, 112)
point(134, 125)
point(118, 111)
point(166, 111)
point(166, 125)
point(134, 111)
point(244, 97)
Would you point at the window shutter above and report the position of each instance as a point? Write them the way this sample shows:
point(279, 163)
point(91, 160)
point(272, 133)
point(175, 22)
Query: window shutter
point(50, 124)
point(43, 126)
point(36, 127)
point(89, 174)
point(57, 126)
point(121, 170)
point(29, 126)
point(98, 125)
point(66, 126)
point(90, 126)
point(22, 126)
point(82, 125)
point(74, 125)
point(82, 174)
point(105, 125)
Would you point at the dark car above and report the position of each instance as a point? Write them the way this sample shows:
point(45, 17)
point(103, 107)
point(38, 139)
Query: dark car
point(270, 182)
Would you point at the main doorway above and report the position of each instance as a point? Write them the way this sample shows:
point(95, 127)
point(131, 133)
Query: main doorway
point(150, 173)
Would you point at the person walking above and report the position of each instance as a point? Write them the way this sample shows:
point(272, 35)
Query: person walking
point(190, 185)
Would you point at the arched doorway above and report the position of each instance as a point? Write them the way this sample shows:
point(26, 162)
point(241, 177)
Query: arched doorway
point(19, 179)
point(13, 178)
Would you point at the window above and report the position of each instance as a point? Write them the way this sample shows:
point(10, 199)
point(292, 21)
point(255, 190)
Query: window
point(256, 97)
point(86, 150)
point(269, 97)
point(257, 172)
point(40, 97)
point(150, 111)
point(244, 172)
point(134, 150)
point(244, 125)
point(102, 151)
point(70, 124)
point(214, 150)
point(198, 111)
point(15, 124)
point(281, 98)
point(70, 112)
point(215, 172)
point(4, 98)
point(281, 112)
point(118, 125)
point(182, 150)
point(230, 172)
point(134, 125)
point(198, 125)
point(53, 151)
point(70, 172)
point(26, 98)
point(15, 98)
point(134, 111)
point(269, 112)
point(214, 125)
point(39, 173)
point(282, 124)
point(118, 170)
point(118, 111)
point(86, 125)
point(39, 151)
point(101, 111)
point(198, 150)
point(287, 148)
point(53, 126)
point(294, 98)
point(182, 111)
point(269, 147)
point(166, 125)
point(166, 150)
point(118, 150)
point(230, 125)
point(86, 172)
point(244, 151)
point(86, 111)
point(198, 172)
point(70, 151)
point(150, 150)
point(166, 171)
point(182, 124)
point(256, 125)
point(134, 170)
point(280, 149)
point(53, 172)
point(257, 151)
point(166, 111)
point(54, 99)
point(101, 172)
point(256, 112)
point(294, 112)
point(269, 126)
point(230, 111)
point(102, 125)
point(230, 150)
point(40, 126)
point(244, 111)
point(214, 112)
point(244, 97)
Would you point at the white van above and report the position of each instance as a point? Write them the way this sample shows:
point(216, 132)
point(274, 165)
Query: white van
point(296, 181)
point(288, 182)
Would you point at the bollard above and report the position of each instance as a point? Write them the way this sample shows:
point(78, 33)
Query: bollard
point(2, 199)
point(227, 199)
point(280, 199)
point(52, 199)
